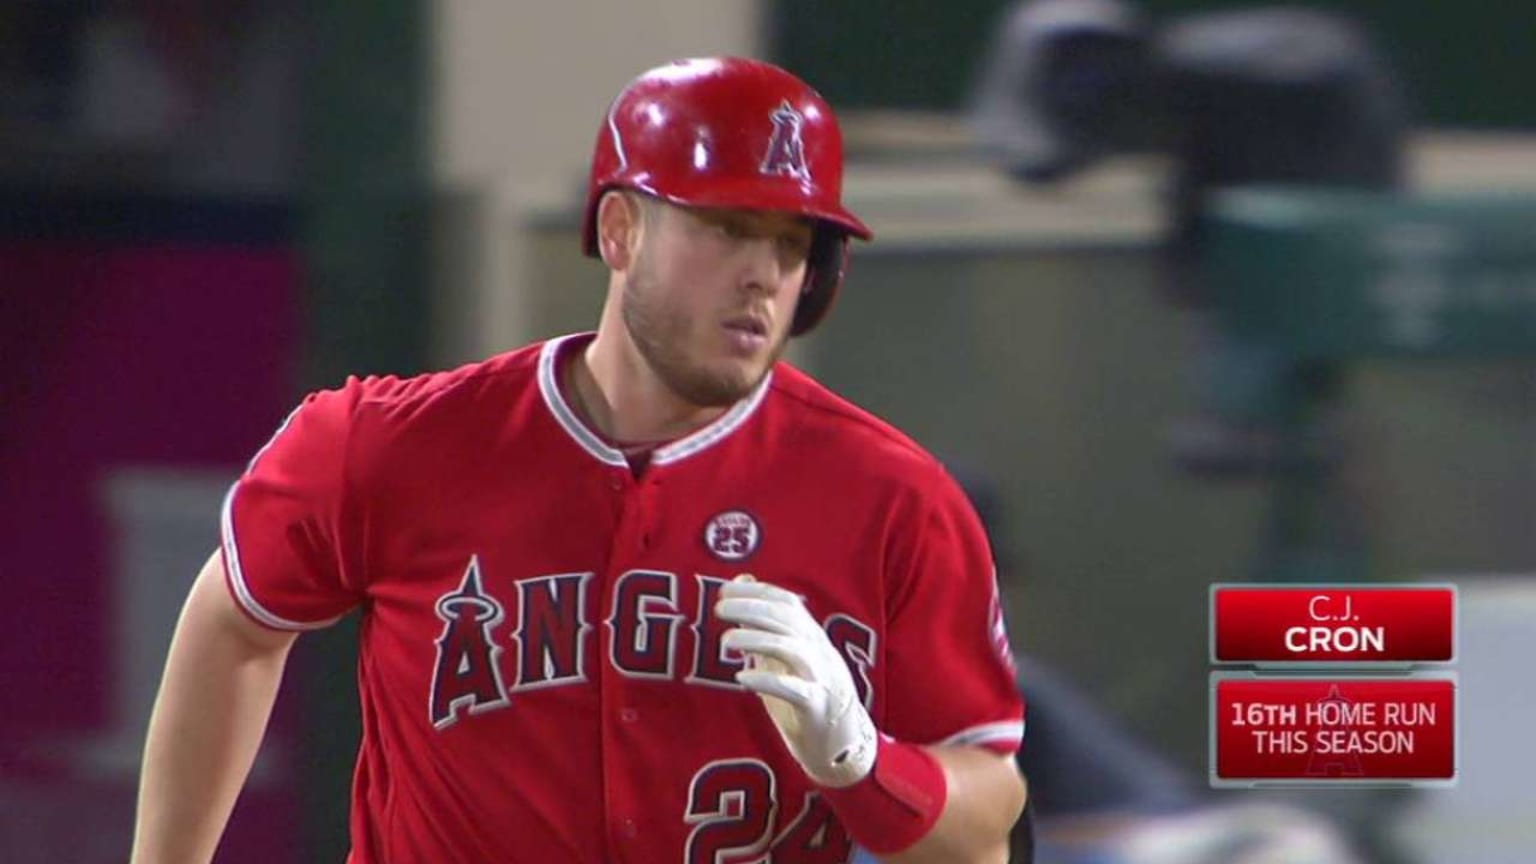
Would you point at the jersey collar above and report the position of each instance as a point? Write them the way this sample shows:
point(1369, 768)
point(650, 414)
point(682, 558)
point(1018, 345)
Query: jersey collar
point(682, 448)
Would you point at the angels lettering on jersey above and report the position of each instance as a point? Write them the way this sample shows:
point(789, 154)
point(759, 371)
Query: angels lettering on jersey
point(485, 656)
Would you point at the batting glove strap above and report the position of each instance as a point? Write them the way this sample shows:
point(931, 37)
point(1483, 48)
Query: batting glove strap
point(897, 804)
point(843, 753)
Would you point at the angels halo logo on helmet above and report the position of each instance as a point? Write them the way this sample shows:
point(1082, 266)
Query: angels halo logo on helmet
point(731, 132)
point(786, 152)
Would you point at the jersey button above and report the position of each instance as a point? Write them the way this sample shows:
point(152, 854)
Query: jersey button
point(616, 483)
point(630, 829)
point(629, 715)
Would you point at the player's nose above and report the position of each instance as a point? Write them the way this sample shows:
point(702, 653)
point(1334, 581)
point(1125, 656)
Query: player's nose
point(758, 271)
point(767, 267)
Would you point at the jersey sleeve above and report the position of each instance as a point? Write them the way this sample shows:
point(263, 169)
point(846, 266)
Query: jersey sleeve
point(950, 674)
point(286, 526)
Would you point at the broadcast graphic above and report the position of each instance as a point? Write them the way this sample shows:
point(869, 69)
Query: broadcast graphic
point(1343, 685)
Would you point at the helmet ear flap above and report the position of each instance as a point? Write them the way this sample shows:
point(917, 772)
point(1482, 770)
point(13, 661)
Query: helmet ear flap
point(824, 270)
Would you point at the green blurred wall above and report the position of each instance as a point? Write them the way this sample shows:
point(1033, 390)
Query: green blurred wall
point(365, 233)
point(1467, 63)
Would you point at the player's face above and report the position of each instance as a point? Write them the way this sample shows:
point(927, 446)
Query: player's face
point(711, 295)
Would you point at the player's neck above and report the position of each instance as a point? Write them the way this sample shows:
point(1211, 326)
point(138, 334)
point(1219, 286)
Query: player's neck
point(623, 399)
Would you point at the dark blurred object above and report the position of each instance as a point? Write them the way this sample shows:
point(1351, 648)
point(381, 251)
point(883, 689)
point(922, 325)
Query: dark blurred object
point(1266, 95)
point(1021, 841)
point(1269, 96)
point(1080, 762)
point(1065, 83)
point(1235, 98)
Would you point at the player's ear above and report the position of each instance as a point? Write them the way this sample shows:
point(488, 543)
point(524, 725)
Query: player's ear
point(618, 228)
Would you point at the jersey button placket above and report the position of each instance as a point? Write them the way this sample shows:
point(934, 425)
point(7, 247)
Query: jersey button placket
point(626, 545)
point(650, 511)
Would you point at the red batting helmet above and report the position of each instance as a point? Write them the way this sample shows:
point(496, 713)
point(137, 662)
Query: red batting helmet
point(736, 133)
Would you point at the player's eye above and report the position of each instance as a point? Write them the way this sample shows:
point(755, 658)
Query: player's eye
point(795, 245)
point(735, 230)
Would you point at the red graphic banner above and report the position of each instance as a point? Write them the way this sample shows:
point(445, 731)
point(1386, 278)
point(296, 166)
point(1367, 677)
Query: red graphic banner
point(1333, 624)
point(1325, 730)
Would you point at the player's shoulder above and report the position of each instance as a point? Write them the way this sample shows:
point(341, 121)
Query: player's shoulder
point(843, 434)
point(414, 399)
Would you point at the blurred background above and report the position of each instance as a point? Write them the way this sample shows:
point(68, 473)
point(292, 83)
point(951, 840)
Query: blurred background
point(1185, 292)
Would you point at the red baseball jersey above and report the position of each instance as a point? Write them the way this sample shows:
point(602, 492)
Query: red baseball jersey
point(540, 666)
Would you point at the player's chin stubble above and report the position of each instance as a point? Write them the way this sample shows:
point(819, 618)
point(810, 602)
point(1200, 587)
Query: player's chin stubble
point(662, 335)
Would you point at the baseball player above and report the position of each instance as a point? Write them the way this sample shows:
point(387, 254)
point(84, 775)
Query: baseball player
point(646, 594)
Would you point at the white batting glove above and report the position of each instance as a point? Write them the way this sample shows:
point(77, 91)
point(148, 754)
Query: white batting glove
point(803, 681)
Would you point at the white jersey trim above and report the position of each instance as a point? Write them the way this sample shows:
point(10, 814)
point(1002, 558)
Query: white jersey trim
point(1010, 732)
point(697, 442)
point(241, 589)
point(717, 431)
point(549, 388)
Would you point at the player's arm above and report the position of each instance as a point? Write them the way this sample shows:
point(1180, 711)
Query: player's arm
point(215, 698)
point(984, 796)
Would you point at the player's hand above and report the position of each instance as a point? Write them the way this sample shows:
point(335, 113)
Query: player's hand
point(803, 681)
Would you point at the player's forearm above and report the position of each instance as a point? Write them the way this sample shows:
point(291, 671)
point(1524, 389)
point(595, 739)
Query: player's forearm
point(985, 796)
point(207, 724)
point(206, 727)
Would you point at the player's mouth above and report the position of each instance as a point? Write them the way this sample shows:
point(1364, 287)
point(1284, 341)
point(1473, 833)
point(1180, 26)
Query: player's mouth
point(747, 334)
